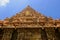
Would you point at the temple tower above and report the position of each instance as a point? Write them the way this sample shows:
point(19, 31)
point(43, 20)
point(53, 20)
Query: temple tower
point(29, 25)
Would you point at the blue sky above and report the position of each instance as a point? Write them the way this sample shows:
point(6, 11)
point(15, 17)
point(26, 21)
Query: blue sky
point(9, 8)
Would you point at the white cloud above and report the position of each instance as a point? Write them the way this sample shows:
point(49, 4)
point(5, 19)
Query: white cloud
point(4, 2)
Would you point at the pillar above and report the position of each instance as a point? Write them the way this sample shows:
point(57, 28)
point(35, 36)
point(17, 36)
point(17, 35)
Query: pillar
point(43, 34)
point(1, 33)
point(57, 33)
point(36, 34)
point(50, 33)
point(20, 35)
point(7, 33)
point(14, 34)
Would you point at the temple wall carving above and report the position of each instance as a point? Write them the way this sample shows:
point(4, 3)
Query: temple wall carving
point(30, 34)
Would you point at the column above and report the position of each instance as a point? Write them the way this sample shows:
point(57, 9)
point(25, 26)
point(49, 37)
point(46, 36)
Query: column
point(36, 34)
point(57, 33)
point(50, 33)
point(14, 34)
point(43, 34)
point(1, 33)
point(7, 34)
point(20, 35)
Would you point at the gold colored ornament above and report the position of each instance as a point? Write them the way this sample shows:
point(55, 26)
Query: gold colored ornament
point(27, 12)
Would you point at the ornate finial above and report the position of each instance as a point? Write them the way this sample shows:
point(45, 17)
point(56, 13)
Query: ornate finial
point(28, 7)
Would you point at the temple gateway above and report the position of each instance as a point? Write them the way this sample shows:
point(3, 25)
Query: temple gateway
point(29, 25)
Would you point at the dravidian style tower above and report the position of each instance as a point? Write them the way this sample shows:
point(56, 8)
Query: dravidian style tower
point(29, 25)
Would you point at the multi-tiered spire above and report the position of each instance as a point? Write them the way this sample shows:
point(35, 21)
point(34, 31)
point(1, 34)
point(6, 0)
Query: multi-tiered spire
point(29, 18)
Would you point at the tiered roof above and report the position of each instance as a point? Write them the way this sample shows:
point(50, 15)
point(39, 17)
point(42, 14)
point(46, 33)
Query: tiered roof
point(29, 18)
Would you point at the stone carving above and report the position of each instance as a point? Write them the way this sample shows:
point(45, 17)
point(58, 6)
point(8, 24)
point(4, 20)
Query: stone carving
point(27, 18)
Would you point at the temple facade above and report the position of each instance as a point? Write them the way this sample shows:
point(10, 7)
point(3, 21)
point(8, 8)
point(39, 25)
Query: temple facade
point(29, 25)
